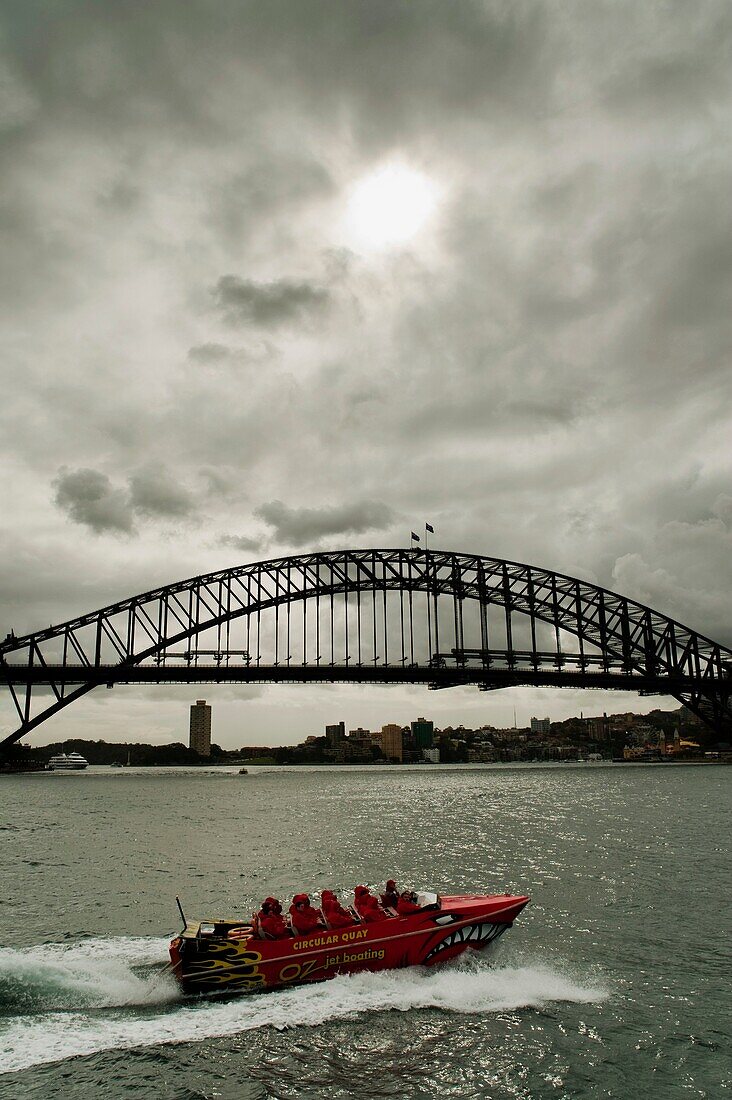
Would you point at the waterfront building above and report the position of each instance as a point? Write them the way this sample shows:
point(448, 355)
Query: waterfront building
point(541, 725)
point(482, 755)
point(200, 731)
point(641, 752)
point(335, 735)
point(598, 729)
point(680, 746)
point(356, 749)
point(423, 733)
point(392, 741)
point(410, 753)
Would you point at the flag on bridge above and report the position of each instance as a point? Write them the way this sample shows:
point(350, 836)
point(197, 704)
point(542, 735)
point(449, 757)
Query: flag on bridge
point(415, 538)
point(430, 528)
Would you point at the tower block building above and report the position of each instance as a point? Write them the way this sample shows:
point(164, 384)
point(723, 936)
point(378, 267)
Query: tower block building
point(200, 735)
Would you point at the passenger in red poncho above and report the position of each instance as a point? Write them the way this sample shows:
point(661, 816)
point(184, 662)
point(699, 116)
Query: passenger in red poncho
point(367, 906)
point(407, 903)
point(269, 905)
point(270, 919)
point(335, 914)
point(390, 897)
point(304, 918)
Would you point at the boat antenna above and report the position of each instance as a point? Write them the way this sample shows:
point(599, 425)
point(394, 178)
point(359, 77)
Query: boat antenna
point(180, 910)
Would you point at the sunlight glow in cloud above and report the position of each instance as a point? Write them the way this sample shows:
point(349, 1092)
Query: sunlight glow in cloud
point(389, 207)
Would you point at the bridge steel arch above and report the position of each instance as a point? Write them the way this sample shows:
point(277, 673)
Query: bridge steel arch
point(616, 642)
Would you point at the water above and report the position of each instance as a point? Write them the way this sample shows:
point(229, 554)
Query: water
point(613, 983)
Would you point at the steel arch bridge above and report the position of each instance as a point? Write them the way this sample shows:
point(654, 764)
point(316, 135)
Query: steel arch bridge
point(371, 616)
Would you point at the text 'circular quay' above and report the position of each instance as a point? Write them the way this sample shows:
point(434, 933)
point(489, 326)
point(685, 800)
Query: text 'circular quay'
point(372, 616)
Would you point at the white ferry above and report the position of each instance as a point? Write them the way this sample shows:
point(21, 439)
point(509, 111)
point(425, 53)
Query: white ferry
point(67, 762)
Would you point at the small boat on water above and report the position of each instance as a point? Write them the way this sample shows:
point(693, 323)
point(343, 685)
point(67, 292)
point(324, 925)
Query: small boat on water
point(233, 956)
point(67, 762)
point(243, 771)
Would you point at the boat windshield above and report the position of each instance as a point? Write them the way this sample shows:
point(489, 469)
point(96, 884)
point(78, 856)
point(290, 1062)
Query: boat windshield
point(428, 899)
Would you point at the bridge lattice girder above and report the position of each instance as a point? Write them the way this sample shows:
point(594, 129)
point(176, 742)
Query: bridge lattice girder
point(613, 632)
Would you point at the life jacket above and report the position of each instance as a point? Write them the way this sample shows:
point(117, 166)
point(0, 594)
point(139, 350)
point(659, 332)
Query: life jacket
point(304, 920)
point(364, 900)
point(369, 908)
point(405, 907)
point(372, 912)
point(336, 915)
point(273, 925)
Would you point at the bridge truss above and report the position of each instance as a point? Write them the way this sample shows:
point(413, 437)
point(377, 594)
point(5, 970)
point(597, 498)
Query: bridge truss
point(371, 616)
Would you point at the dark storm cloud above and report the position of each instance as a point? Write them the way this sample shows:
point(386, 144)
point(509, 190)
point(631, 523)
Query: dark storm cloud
point(95, 63)
point(675, 66)
point(153, 492)
point(218, 357)
point(298, 526)
point(89, 498)
point(242, 301)
point(241, 542)
point(209, 353)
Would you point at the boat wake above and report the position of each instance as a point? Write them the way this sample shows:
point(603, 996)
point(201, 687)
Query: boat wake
point(89, 973)
point(101, 995)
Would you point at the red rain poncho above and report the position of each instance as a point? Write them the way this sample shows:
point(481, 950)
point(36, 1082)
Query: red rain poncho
point(405, 906)
point(304, 918)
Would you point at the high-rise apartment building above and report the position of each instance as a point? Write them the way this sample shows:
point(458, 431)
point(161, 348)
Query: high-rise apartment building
point(200, 737)
point(335, 735)
point(391, 741)
point(423, 733)
point(541, 725)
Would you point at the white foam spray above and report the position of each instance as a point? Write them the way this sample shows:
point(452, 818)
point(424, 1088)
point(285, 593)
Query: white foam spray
point(102, 979)
point(92, 973)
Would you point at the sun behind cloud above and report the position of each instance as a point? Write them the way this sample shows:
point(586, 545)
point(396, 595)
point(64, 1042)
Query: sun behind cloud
point(389, 207)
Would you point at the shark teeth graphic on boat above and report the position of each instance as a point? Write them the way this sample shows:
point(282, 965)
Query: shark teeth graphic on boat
point(475, 934)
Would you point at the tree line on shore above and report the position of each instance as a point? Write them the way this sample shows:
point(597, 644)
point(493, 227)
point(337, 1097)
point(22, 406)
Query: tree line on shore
point(136, 753)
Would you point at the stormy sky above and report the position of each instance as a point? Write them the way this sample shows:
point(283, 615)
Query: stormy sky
point(301, 274)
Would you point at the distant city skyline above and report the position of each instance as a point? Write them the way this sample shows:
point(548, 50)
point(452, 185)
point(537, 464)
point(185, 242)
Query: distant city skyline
point(100, 715)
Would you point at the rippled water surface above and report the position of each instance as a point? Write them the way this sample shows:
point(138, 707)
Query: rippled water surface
point(613, 983)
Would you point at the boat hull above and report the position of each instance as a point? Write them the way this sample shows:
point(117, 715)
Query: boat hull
point(231, 959)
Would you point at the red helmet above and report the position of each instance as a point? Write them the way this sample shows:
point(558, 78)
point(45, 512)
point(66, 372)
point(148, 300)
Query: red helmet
point(300, 899)
point(361, 890)
point(390, 884)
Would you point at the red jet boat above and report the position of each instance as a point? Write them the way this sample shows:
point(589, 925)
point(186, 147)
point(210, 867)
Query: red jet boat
point(231, 956)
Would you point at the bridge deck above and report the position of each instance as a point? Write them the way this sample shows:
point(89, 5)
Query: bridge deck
point(437, 677)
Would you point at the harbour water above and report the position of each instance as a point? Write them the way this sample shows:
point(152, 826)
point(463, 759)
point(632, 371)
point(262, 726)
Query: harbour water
point(613, 983)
